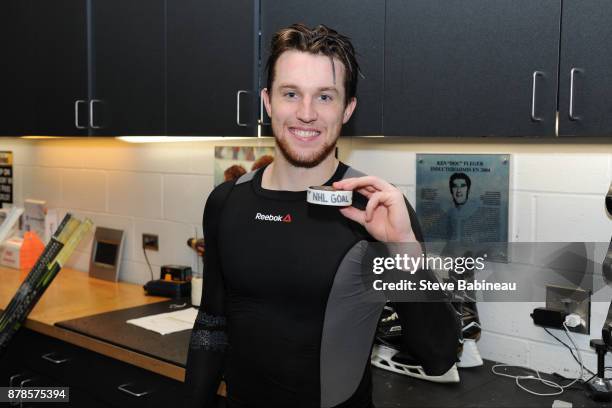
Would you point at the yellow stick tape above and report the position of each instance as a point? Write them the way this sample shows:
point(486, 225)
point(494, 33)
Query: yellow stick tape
point(70, 227)
point(73, 241)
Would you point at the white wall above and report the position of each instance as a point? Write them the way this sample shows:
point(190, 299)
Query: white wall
point(153, 188)
point(556, 195)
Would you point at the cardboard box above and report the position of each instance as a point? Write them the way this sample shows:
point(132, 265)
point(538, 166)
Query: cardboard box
point(10, 251)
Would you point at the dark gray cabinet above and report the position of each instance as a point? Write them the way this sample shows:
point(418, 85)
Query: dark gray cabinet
point(130, 67)
point(363, 22)
point(471, 67)
point(54, 45)
point(585, 85)
point(212, 65)
point(12, 79)
point(195, 67)
point(94, 67)
point(127, 67)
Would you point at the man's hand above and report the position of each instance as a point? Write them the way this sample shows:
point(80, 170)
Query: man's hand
point(386, 216)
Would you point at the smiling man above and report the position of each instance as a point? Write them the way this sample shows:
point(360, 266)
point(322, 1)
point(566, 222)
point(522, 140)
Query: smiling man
point(309, 109)
point(286, 318)
point(307, 103)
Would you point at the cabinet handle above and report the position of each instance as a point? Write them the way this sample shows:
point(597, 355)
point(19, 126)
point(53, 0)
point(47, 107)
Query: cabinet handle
point(571, 101)
point(534, 118)
point(132, 393)
point(91, 114)
point(12, 378)
point(261, 112)
point(240, 92)
point(27, 380)
point(21, 384)
point(76, 113)
point(53, 360)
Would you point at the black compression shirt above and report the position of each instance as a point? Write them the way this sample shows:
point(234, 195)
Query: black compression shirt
point(285, 317)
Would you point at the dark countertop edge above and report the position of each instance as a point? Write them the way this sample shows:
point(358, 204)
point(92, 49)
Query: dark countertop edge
point(102, 340)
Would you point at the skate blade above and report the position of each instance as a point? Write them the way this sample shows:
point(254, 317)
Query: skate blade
point(382, 358)
point(470, 356)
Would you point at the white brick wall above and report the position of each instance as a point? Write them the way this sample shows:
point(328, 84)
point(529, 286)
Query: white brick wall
point(556, 195)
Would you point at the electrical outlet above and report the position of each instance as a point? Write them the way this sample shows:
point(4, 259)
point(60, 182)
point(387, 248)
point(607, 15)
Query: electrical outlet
point(150, 241)
point(571, 300)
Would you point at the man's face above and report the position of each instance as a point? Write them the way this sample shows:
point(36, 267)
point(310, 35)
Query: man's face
point(459, 190)
point(307, 107)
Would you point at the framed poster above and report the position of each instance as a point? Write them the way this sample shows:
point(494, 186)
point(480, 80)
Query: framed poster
point(6, 178)
point(462, 202)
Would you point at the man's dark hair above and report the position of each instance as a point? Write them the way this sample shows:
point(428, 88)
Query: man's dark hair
point(319, 40)
point(456, 176)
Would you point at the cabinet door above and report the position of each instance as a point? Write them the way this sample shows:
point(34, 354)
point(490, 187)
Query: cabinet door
point(585, 80)
point(211, 68)
point(12, 85)
point(362, 21)
point(56, 73)
point(128, 72)
point(471, 67)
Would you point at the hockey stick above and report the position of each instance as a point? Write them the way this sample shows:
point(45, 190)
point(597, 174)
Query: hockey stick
point(30, 292)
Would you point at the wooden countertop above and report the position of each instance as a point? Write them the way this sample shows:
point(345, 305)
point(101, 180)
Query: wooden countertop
point(72, 295)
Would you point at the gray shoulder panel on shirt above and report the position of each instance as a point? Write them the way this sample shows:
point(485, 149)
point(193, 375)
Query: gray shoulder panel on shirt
point(246, 177)
point(351, 172)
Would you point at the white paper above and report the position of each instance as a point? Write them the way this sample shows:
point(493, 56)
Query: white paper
point(166, 323)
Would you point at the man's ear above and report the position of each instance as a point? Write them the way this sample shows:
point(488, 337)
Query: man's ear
point(265, 95)
point(349, 109)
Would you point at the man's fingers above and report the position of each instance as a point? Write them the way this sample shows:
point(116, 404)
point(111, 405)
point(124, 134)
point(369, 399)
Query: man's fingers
point(354, 214)
point(366, 191)
point(369, 189)
point(360, 182)
point(373, 203)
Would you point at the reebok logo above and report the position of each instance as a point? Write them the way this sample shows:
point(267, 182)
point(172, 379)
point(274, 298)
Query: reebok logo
point(274, 218)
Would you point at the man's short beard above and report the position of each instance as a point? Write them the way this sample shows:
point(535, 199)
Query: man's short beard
point(309, 161)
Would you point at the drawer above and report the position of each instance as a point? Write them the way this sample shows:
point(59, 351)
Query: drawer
point(100, 378)
point(16, 371)
point(124, 385)
point(51, 357)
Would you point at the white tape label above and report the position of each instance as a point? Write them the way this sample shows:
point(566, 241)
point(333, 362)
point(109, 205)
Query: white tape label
point(325, 195)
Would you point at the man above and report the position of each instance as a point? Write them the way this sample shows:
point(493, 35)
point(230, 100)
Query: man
point(285, 317)
point(459, 184)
